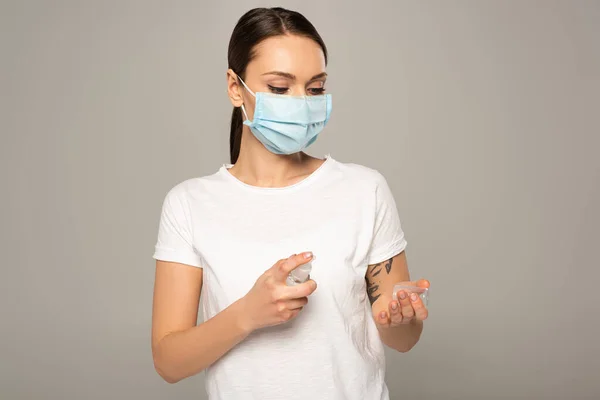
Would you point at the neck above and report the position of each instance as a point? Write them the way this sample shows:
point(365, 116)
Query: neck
point(257, 166)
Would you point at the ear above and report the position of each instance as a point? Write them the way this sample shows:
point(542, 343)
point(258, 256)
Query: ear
point(234, 89)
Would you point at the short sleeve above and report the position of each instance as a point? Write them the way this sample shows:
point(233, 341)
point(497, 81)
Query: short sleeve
point(388, 238)
point(175, 239)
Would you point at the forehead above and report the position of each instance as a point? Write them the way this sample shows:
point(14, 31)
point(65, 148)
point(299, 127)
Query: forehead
point(298, 55)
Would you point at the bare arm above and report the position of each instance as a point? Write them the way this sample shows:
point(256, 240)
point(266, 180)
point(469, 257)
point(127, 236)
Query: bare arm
point(400, 324)
point(180, 348)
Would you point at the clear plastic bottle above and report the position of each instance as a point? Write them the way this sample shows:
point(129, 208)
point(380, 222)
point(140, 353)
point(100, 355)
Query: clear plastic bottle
point(299, 275)
point(422, 292)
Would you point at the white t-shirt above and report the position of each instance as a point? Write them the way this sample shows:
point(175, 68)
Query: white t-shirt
point(346, 215)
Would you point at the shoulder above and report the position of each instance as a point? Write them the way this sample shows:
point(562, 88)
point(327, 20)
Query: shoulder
point(361, 175)
point(192, 188)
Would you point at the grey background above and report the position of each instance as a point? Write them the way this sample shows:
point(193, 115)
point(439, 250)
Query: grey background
point(483, 115)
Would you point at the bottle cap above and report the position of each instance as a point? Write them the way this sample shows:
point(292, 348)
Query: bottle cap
point(301, 273)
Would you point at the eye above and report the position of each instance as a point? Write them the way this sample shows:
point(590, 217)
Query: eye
point(277, 90)
point(316, 91)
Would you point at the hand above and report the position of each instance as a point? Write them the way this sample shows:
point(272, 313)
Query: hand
point(409, 309)
point(270, 301)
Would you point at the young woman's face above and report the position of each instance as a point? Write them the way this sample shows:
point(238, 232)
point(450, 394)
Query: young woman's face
point(287, 65)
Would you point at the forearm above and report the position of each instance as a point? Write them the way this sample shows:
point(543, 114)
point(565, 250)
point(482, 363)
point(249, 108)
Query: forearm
point(402, 337)
point(182, 354)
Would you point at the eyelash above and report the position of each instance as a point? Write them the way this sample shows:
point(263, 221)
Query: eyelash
point(280, 90)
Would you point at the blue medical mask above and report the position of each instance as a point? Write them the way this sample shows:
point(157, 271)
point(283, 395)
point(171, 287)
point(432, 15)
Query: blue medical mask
point(287, 124)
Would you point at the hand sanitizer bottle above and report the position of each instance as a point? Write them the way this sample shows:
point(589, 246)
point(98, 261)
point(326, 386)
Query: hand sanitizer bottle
point(299, 275)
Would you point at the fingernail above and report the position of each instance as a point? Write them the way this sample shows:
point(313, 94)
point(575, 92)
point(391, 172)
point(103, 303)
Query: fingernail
point(308, 254)
point(383, 315)
point(394, 306)
point(402, 295)
point(414, 297)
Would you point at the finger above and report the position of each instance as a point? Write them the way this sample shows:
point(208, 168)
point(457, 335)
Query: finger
point(296, 304)
point(283, 269)
point(406, 306)
point(421, 312)
point(382, 319)
point(304, 289)
point(395, 313)
point(423, 283)
point(295, 313)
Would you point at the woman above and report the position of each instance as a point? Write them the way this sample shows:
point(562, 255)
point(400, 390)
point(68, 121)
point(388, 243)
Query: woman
point(236, 235)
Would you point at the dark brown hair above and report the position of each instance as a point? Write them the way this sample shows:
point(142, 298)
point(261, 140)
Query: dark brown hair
point(252, 28)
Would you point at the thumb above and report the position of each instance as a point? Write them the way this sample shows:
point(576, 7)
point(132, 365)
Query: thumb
point(283, 269)
point(423, 283)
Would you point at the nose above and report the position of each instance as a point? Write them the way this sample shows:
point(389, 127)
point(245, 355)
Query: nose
point(298, 90)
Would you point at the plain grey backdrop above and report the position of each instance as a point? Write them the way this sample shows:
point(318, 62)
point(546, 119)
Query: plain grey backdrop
point(483, 115)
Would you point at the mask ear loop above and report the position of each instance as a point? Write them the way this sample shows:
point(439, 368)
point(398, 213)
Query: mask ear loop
point(245, 114)
point(249, 91)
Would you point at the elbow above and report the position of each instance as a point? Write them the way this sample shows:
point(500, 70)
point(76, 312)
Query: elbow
point(170, 372)
point(169, 379)
point(164, 373)
point(162, 366)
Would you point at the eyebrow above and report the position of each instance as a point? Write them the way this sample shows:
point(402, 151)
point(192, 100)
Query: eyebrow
point(293, 77)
